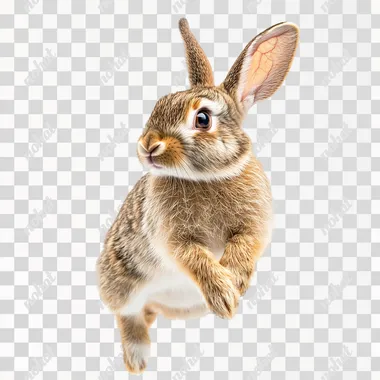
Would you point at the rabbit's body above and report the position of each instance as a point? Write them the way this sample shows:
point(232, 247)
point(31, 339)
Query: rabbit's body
point(209, 212)
point(189, 234)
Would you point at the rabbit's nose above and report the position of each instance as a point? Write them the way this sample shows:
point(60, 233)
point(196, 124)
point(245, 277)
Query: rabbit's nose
point(154, 149)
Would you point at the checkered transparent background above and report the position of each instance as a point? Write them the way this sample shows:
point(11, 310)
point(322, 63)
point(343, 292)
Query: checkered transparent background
point(289, 319)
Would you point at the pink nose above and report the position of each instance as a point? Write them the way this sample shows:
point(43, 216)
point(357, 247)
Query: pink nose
point(154, 149)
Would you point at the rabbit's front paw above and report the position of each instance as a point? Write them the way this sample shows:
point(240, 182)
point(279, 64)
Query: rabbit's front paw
point(241, 281)
point(223, 297)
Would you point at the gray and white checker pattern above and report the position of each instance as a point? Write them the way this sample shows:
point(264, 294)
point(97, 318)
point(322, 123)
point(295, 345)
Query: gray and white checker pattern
point(78, 80)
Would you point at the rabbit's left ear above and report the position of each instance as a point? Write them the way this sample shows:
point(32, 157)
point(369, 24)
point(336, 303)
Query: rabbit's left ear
point(262, 66)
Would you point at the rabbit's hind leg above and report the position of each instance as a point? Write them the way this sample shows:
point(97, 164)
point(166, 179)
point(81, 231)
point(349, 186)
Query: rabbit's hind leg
point(135, 341)
point(150, 315)
point(180, 313)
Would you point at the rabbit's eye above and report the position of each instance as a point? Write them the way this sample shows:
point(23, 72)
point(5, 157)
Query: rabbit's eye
point(202, 120)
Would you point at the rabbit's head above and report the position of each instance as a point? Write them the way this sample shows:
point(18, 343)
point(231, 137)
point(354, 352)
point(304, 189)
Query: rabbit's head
point(197, 134)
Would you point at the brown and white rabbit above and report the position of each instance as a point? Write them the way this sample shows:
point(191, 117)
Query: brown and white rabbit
point(186, 240)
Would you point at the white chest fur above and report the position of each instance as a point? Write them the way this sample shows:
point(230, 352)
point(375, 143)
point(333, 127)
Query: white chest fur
point(169, 286)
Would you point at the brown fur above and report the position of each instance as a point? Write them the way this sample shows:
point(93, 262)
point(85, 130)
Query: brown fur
point(133, 331)
point(150, 315)
point(216, 194)
point(200, 71)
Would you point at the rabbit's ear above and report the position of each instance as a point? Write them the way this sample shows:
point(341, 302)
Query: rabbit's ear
point(263, 64)
point(200, 72)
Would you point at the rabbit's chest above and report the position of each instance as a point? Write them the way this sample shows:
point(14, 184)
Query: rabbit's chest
point(209, 219)
point(208, 211)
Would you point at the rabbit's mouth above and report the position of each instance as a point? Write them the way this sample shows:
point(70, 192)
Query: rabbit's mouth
point(152, 163)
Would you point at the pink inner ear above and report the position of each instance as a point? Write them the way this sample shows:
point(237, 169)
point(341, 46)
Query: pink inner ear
point(262, 62)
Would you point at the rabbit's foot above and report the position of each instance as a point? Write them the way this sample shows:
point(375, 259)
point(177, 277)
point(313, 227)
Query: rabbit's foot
point(136, 356)
point(135, 341)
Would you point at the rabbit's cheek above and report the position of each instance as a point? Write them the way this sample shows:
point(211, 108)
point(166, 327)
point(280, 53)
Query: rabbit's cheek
point(169, 159)
point(173, 155)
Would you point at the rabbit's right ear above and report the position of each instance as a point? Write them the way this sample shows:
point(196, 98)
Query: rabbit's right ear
point(262, 66)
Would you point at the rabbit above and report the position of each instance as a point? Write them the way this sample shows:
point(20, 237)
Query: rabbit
point(189, 233)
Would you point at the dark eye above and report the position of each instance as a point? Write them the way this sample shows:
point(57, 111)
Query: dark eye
point(203, 120)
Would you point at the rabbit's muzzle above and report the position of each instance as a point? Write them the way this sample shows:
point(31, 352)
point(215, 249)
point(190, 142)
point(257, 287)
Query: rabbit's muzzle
point(151, 144)
point(158, 151)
